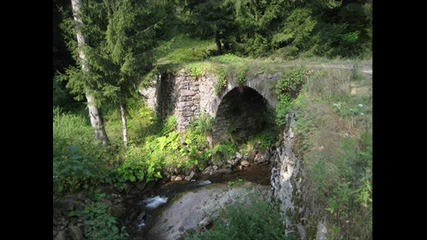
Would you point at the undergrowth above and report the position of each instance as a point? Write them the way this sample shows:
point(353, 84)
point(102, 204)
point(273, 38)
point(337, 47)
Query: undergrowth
point(335, 131)
point(253, 219)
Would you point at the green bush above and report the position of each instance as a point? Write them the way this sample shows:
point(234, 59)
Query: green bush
point(74, 172)
point(169, 152)
point(223, 152)
point(182, 49)
point(241, 72)
point(138, 166)
point(265, 139)
point(202, 124)
point(101, 225)
point(253, 219)
point(170, 125)
point(78, 160)
point(288, 88)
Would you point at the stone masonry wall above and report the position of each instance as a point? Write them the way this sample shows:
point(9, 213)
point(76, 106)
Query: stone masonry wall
point(187, 96)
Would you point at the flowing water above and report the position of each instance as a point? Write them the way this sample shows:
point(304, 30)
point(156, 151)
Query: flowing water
point(151, 205)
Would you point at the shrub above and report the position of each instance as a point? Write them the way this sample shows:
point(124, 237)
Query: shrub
point(287, 89)
point(223, 152)
point(101, 225)
point(78, 160)
point(202, 124)
point(74, 172)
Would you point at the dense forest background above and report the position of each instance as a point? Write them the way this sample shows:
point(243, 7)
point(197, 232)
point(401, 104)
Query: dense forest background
point(277, 29)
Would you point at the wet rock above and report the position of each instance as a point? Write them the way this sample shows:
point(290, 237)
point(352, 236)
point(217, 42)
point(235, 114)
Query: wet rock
point(258, 158)
point(196, 209)
point(75, 233)
point(244, 163)
point(60, 236)
point(224, 171)
point(215, 167)
point(238, 155)
point(141, 217)
point(178, 178)
point(240, 168)
point(203, 183)
point(207, 170)
point(133, 213)
point(233, 161)
point(189, 177)
point(141, 186)
point(118, 210)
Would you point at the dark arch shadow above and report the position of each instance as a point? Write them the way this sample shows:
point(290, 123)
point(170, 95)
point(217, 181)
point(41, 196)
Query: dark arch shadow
point(242, 113)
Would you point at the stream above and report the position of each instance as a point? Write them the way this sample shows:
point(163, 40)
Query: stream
point(171, 210)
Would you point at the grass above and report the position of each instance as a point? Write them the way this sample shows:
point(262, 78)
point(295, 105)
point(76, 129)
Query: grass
point(253, 219)
point(334, 139)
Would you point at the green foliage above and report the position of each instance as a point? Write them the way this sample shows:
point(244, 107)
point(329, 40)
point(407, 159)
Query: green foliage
point(236, 183)
point(222, 82)
point(223, 152)
point(77, 159)
point(227, 59)
point(265, 139)
point(334, 139)
point(170, 125)
point(75, 172)
point(287, 89)
point(198, 69)
point(62, 98)
point(168, 152)
point(139, 166)
point(254, 219)
point(241, 72)
point(101, 225)
point(182, 49)
point(202, 124)
point(142, 121)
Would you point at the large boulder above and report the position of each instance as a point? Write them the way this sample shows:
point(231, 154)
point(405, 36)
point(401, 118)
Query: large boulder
point(196, 209)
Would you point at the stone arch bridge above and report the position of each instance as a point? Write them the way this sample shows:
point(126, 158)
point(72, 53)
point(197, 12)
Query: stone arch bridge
point(237, 106)
point(187, 97)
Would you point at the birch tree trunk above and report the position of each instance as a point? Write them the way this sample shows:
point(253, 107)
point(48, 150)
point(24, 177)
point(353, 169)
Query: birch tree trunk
point(124, 123)
point(95, 116)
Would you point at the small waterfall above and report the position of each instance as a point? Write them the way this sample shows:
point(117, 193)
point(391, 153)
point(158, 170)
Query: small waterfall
point(155, 202)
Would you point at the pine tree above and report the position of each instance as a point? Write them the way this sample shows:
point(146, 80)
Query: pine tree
point(115, 42)
point(82, 79)
point(209, 18)
point(131, 34)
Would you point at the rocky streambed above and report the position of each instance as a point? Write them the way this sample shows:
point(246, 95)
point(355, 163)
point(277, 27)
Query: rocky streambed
point(172, 208)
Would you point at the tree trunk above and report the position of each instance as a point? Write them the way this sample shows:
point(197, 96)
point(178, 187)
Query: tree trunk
point(96, 120)
point(95, 116)
point(124, 124)
point(218, 43)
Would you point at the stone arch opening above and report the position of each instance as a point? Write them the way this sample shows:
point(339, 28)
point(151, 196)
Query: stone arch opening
point(242, 114)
